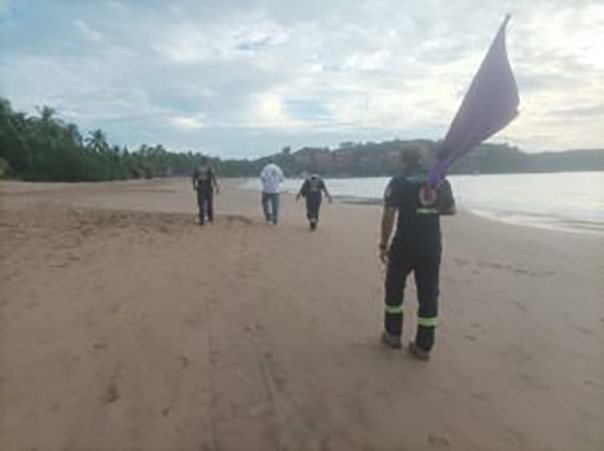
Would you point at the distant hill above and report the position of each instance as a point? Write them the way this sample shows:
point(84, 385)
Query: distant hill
point(571, 160)
point(383, 159)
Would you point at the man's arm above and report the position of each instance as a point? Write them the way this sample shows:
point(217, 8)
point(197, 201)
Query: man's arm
point(194, 179)
point(450, 211)
point(303, 189)
point(324, 188)
point(388, 217)
point(446, 204)
point(391, 203)
point(214, 181)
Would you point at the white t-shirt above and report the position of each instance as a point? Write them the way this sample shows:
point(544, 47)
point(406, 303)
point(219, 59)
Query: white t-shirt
point(271, 177)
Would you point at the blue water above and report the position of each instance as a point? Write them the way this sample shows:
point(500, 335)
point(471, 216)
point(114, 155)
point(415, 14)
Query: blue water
point(569, 201)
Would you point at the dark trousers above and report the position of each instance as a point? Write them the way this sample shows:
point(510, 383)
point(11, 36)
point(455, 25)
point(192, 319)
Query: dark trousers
point(205, 202)
point(425, 265)
point(313, 205)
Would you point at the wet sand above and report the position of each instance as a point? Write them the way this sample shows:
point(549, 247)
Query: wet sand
point(126, 326)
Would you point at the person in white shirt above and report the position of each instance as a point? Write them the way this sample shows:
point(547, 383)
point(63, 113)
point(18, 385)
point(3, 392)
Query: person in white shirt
point(271, 177)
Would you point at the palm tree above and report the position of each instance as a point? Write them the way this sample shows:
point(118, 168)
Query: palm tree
point(74, 134)
point(97, 141)
point(17, 126)
point(47, 114)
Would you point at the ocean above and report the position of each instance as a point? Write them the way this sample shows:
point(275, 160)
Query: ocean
point(571, 201)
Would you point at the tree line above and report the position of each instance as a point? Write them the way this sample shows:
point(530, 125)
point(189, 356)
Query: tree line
point(44, 147)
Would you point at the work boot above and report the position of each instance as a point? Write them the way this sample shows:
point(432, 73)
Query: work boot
point(392, 341)
point(418, 352)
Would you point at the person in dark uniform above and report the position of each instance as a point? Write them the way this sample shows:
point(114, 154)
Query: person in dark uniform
point(416, 247)
point(204, 183)
point(312, 190)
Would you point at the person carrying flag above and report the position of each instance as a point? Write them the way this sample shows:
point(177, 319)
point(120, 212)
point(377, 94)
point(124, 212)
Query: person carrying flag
point(416, 248)
point(312, 190)
point(420, 196)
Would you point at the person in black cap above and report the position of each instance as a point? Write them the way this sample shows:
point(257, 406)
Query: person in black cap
point(204, 183)
point(312, 190)
point(416, 247)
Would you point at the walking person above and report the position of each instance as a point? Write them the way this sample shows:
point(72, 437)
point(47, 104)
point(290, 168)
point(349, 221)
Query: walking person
point(312, 190)
point(204, 183)
point(272, 178)
point(416, 247)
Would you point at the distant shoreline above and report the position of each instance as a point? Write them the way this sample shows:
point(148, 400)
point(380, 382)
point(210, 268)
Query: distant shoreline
point(510, 203)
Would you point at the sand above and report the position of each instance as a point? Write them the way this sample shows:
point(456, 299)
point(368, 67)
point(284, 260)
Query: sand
point(126, 326)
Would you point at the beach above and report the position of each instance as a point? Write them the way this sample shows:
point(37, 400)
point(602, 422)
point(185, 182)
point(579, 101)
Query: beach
point(124, 325)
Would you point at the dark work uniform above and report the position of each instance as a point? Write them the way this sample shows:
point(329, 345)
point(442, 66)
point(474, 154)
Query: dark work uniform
point(204, 180)
point(312, 190)
point(416, 248)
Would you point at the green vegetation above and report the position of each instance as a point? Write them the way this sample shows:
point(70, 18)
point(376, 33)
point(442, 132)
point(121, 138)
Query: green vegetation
point(46, 148)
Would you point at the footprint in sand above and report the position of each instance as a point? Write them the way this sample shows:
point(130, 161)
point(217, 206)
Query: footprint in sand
point(586, 331)
point(521, 306)
point(100, 345)
point(530, 381)
point(183, 362)
point(517, 355)
point(114, 309)
point(54, 408)
point(592, 384)
point(111, 394)
point(480, 397)
point(439, 440)
point(461, 262)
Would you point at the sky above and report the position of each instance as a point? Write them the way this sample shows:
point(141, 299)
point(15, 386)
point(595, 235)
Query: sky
point(244, 78)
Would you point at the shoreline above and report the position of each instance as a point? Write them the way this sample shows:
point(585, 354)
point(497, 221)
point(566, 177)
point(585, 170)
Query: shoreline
point(546, 222)
point(543, 222)
point(559, 225)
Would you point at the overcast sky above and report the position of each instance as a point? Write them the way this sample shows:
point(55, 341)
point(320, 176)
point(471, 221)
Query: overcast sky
point(238, 78)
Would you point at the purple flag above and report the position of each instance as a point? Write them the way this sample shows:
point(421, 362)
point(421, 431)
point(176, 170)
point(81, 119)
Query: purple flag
point(490, 104)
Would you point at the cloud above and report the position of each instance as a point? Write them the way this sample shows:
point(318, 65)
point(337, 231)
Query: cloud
point(187, 123)
point(239, 37)
point(242, 77)
point(267, 110)
point(87, 32)
point(115, 4)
